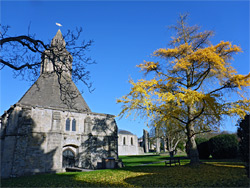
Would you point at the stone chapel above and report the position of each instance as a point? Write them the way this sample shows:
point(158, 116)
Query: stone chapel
point(51, 127)
point(128, 144)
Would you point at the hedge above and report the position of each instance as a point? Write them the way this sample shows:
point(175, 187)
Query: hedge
point(244, 147)
point(203, 148)
point(224, 146)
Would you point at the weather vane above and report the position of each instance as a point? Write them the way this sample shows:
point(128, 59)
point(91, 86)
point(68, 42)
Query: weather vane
point(58, 24)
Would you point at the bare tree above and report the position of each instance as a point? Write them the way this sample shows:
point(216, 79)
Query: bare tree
point(23, 54)
point(29, 57)
point(169, 134)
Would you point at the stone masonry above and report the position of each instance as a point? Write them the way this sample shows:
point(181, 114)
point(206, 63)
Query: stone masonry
point(42, 133)
point(128, 144)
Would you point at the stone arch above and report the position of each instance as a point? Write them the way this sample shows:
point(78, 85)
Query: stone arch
point(69, 158)
point(70, 145)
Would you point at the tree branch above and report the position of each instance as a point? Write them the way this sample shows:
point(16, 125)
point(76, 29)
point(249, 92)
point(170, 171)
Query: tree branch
point(202, 77)
point(29, 66)
point(20, 40)
point(204, 131)
point(228, 85)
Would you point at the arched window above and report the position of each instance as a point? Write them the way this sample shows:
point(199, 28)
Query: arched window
point(124, 141)
point(68, 124)
point(74, 125)
point(132, 141)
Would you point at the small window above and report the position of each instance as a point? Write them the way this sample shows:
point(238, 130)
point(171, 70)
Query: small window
point(132, 141)
point(74, 125)
point(124, 141)
point(68, 124)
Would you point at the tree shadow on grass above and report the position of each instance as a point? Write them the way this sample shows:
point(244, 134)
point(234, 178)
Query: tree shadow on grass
point(69, 179)
point(203, 175)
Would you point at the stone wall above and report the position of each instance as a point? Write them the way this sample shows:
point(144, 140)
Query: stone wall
point(33, 140)
point(128, 148)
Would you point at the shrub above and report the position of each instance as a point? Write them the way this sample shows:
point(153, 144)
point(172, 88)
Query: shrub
point(203, 148)
point(243, 134)
point(224, 146)
point(200, 140)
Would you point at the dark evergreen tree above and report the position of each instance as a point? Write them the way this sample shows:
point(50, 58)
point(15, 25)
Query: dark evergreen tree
point(243, 134)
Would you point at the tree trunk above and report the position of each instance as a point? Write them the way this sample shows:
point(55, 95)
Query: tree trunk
point(158, 145)
point(191, 145)
point(158, 149)
point(164, 144)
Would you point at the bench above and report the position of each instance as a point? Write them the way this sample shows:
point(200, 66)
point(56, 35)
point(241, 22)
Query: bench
point(173, 160)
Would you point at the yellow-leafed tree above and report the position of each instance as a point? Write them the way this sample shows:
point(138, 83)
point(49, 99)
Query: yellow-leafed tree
point(190, 85)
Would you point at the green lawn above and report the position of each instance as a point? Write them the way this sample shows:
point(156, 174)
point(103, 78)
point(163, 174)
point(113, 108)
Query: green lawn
point(137, 160)
point(213, 173)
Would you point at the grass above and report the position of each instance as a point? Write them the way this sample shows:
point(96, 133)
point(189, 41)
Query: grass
point(137, 160)
point(212, 173)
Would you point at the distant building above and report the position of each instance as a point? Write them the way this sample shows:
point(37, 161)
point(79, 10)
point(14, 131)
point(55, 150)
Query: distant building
point(128, 144)
point(48, 131)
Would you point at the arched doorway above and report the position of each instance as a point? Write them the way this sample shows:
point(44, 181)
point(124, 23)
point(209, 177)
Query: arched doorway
point(68, 158)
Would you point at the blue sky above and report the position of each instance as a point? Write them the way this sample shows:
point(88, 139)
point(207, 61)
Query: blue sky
point(124, 34)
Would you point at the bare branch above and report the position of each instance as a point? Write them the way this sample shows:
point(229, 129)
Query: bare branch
point(23, 54)
point(29, 66)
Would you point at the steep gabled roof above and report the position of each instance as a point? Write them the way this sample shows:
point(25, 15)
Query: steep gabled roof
point(46, 93)
point(55, 90)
